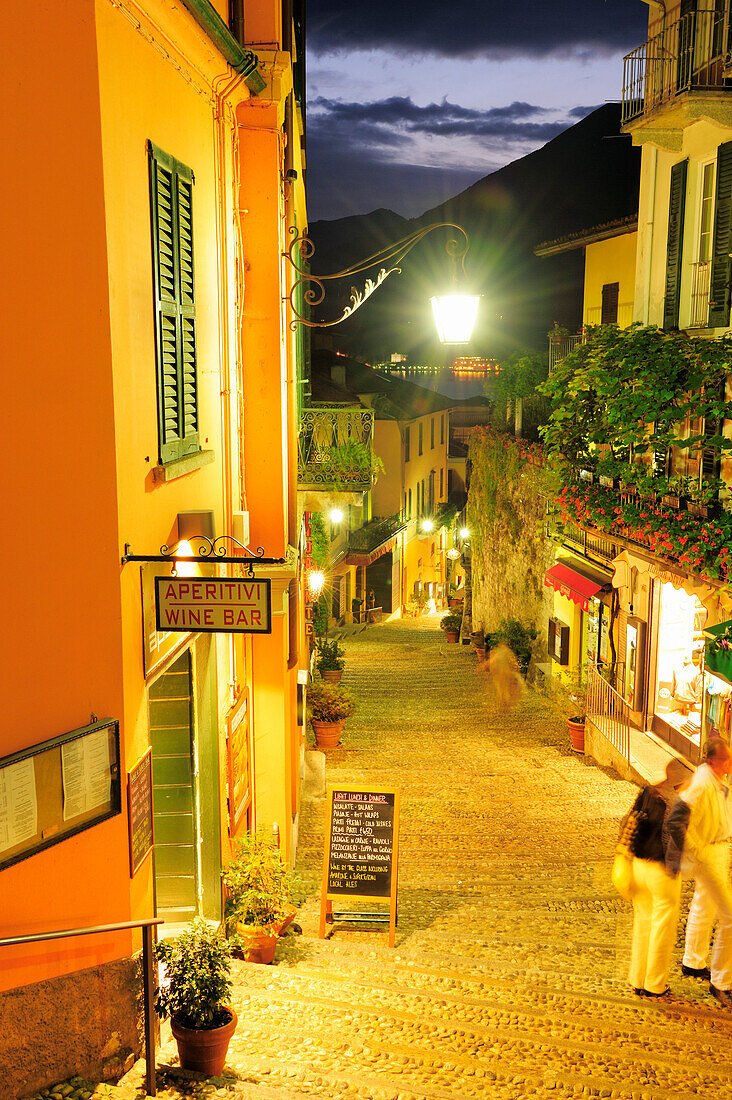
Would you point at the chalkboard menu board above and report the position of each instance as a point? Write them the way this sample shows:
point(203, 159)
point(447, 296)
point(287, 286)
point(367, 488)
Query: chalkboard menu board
point(140, 811)
point(361, 848)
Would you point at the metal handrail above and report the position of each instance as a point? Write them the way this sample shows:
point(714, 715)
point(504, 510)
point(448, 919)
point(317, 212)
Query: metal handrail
point(147, 926)
point(608, 711)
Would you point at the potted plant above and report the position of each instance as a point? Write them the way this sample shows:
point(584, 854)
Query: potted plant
point(194, 993)
point(330, 705)
point(451, 625)
point(453, 600)
point(569, 693)
point(329, 660)
point(258, 889)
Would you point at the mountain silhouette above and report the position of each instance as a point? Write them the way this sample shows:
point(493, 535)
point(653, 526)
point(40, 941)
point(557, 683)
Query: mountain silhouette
point(587, 175)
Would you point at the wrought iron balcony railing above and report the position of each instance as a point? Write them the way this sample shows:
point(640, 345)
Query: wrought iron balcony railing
point(687, 55)
point(375, 533)
point(335, 445)
point(560, 347)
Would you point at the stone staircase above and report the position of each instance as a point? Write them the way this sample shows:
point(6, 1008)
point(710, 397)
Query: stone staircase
point(508, 978)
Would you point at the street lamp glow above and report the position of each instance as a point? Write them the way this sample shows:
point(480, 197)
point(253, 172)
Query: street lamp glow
point(316, 581)
point(336, 515)
point(464, 532)
point(427, 525)
point(455, 317)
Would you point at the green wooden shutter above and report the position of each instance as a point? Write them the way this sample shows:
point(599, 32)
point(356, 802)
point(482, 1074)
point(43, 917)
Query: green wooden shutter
point(719, 286)
point(171, 207)
point(674, 247)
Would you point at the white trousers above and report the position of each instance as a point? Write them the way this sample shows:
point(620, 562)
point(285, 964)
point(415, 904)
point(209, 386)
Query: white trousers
point(656, 897)
point(712, 901)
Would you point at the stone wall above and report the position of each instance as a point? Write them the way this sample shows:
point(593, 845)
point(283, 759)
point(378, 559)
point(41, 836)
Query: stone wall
point(510, 552)
point(87, 1023)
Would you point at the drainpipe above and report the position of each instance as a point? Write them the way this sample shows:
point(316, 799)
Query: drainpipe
point(650, 222)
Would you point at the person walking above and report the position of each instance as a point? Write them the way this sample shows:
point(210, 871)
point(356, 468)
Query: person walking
point(656, 884)
point(707, 858)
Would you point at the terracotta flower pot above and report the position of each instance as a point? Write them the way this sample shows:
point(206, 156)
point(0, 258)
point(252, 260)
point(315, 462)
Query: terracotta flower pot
point(577, 734)
point(327, 734)
point(452, 635)
point(332, 675)
point(204, 1051)
point(258, 944)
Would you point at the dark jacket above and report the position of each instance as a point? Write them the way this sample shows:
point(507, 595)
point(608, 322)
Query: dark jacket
point(659, 835)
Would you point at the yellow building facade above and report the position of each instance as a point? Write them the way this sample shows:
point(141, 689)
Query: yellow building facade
point(155, 403)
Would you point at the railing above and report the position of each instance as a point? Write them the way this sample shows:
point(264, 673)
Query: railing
point(608, 712)
point(148, 975)
point(624, 318)
point(585, 542)
point(560, 347)
point(373, 534)
point(335, 445)
point(700, 275)
point(687, 54)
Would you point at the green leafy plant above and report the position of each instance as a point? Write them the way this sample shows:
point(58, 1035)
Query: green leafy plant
point(319, 539)
point(330, 702)
point(567, 693)
point(519, 639)
point(351, 461)
point(197, 983)
point(329, 656)
point(259, 884)
point(451, 623)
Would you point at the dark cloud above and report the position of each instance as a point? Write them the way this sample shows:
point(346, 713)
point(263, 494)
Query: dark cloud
point(470, 28)
point(358, 150)
point(582, 112)
point(390, 122)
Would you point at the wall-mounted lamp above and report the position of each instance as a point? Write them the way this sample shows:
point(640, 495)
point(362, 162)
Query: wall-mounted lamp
point(336, 515)
point(316, 580)
point(454, 312)
point(464, 533)
point(427, 525)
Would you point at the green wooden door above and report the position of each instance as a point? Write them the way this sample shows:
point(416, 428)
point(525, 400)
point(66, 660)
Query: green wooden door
point(174, 793)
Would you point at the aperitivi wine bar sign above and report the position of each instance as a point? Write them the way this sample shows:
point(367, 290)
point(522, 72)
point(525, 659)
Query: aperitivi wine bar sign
point(216, 605)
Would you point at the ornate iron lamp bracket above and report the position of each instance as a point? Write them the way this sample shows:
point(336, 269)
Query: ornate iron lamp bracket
point(209, 551)
point(386, 259)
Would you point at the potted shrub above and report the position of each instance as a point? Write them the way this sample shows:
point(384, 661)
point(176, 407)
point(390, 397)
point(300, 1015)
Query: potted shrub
point(451, 625)
point(330, 705)
point(569, 693)
point(453, 600)
point(194, 993)
point(258, 893)
point(329, 660)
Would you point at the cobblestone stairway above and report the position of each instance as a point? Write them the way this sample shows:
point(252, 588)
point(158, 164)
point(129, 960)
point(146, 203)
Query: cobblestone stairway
point(508, 976)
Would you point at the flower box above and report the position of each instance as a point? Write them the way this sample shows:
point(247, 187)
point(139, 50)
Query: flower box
point(587, 476)
point(609, 482)
point(673, 500)
point(628, 490)
point(701, 509)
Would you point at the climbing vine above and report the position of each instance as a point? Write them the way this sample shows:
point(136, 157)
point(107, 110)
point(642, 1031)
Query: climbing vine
point(509, 485)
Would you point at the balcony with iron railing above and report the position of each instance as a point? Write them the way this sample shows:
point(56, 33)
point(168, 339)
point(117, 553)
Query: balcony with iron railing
point(687, 56)
point(376, 533)
point(335, 449)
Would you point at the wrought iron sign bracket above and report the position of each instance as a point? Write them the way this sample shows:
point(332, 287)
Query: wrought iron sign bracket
point(209, 552)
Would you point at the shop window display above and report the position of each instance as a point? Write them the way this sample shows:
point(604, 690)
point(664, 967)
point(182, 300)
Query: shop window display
point(688, 698)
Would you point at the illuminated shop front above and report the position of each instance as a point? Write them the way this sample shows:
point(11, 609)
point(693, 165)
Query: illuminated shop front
point(689, 702)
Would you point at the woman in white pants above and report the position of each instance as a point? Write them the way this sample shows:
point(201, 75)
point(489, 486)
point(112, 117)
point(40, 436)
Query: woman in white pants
point(656, 889)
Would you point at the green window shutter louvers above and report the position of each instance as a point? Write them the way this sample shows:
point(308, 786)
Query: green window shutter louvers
point(171, 207)
point(674, 247)
point(719, 286)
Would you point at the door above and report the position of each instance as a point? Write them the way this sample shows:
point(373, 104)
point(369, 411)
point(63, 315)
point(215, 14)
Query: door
point(175, 816)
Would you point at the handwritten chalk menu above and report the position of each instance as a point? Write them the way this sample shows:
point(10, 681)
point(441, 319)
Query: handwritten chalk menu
point(361, 849)
point(140, 811)
point(56, 788)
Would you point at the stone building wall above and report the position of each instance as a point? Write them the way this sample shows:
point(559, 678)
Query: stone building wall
point(510, 551)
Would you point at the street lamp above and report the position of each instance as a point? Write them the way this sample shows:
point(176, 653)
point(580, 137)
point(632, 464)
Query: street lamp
point(454, 312)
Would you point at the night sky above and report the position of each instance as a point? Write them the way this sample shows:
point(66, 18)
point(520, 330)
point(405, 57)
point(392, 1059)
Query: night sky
point(408, 106)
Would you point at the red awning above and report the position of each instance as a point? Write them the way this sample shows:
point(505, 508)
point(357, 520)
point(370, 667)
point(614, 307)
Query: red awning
point(575, 586)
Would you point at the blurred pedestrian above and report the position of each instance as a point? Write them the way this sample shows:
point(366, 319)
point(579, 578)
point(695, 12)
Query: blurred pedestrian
point(505, 678)
point(655, 886)
point(707, 858)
